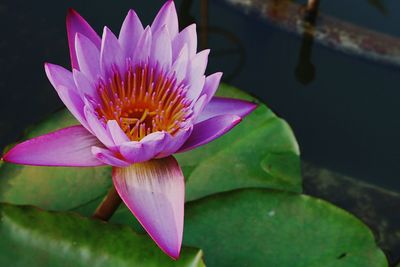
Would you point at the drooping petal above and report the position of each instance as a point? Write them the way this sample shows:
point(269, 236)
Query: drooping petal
point(143, 48)
point(161, 52)
point(154, 191)
point(88, 56)
point(130, 33)
point(145, 149)
point(70, 146)
point(110, 53)
point(224, 106)
point(211, 85)
point(166, 16)
point(77, 24)
point(108, 157)
point(187, 36)
point(63, 82)
point(208, 130)
point(116, 132)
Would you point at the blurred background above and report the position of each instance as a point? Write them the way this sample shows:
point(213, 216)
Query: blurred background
point(335, 78)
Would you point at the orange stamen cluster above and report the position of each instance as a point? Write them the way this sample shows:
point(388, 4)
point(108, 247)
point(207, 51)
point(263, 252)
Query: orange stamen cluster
point(144, 100)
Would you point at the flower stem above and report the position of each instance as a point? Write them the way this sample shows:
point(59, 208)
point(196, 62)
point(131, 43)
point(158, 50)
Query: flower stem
point(108, 206)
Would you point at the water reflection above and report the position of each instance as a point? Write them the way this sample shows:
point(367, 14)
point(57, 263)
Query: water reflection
point(379, 5)
point(231, 47)
point(329, 31)
point(305, 69)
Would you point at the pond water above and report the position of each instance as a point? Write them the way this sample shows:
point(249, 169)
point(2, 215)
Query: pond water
point(343, 109)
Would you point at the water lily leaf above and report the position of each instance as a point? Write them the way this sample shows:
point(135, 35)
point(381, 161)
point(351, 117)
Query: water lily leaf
point(260, 152)
point(259, 227)
point(31, 237)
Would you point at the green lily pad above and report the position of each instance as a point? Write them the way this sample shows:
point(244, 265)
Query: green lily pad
point(31, 237)
point(260, 152)
point(259, 227)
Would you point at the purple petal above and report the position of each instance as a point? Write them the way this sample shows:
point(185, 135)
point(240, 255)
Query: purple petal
point(143, 48)
point(63, 82)
point(154, 191)
point(145, 149)
point(224, 106)
point(130, 33)
point(195, 75)
point(97, 128)
point(116, 132)
point(108, 157)
point(88, 56)
point(199, 105)
point(196, 84)
point(187, 36)
point(76, 24)
point(161, 51)
point(84, 86)
point(173, 143)
point(179, 67)
point(110, 53)
point(208, 130)
point(66, 147)
point(166, 17)
point(211, 85)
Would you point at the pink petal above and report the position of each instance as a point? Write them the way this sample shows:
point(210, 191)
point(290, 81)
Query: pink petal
point(166, 17)
point(161, 52)
point(224, 106)
point(110, 53)
point(187, 36)
point(211, 85)
point(173, 143)
point(145, 149)
point(143, 48)
point(70, 146)
point(84, 85)
point(76, 24)
point(179, 67)
point(88, 56)
point(108, 157)
point(195, 74)
point(96, 127)
point(116, 132)
point(199, 105)
point(130, 33)
point(63, 82)
point(208, 130)
point(154, 191)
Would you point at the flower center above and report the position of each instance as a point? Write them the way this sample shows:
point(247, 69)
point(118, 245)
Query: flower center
point(144, 100)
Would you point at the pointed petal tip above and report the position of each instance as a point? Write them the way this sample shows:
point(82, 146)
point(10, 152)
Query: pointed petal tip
point(219, 74)
point(71, 12)
point(253, 106)
point(174, 254)
point(131, 13)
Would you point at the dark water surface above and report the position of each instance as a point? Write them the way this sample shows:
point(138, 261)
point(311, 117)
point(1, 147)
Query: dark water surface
point(345, 115)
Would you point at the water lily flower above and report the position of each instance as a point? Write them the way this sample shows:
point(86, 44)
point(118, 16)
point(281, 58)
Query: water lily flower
point(139, 97)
